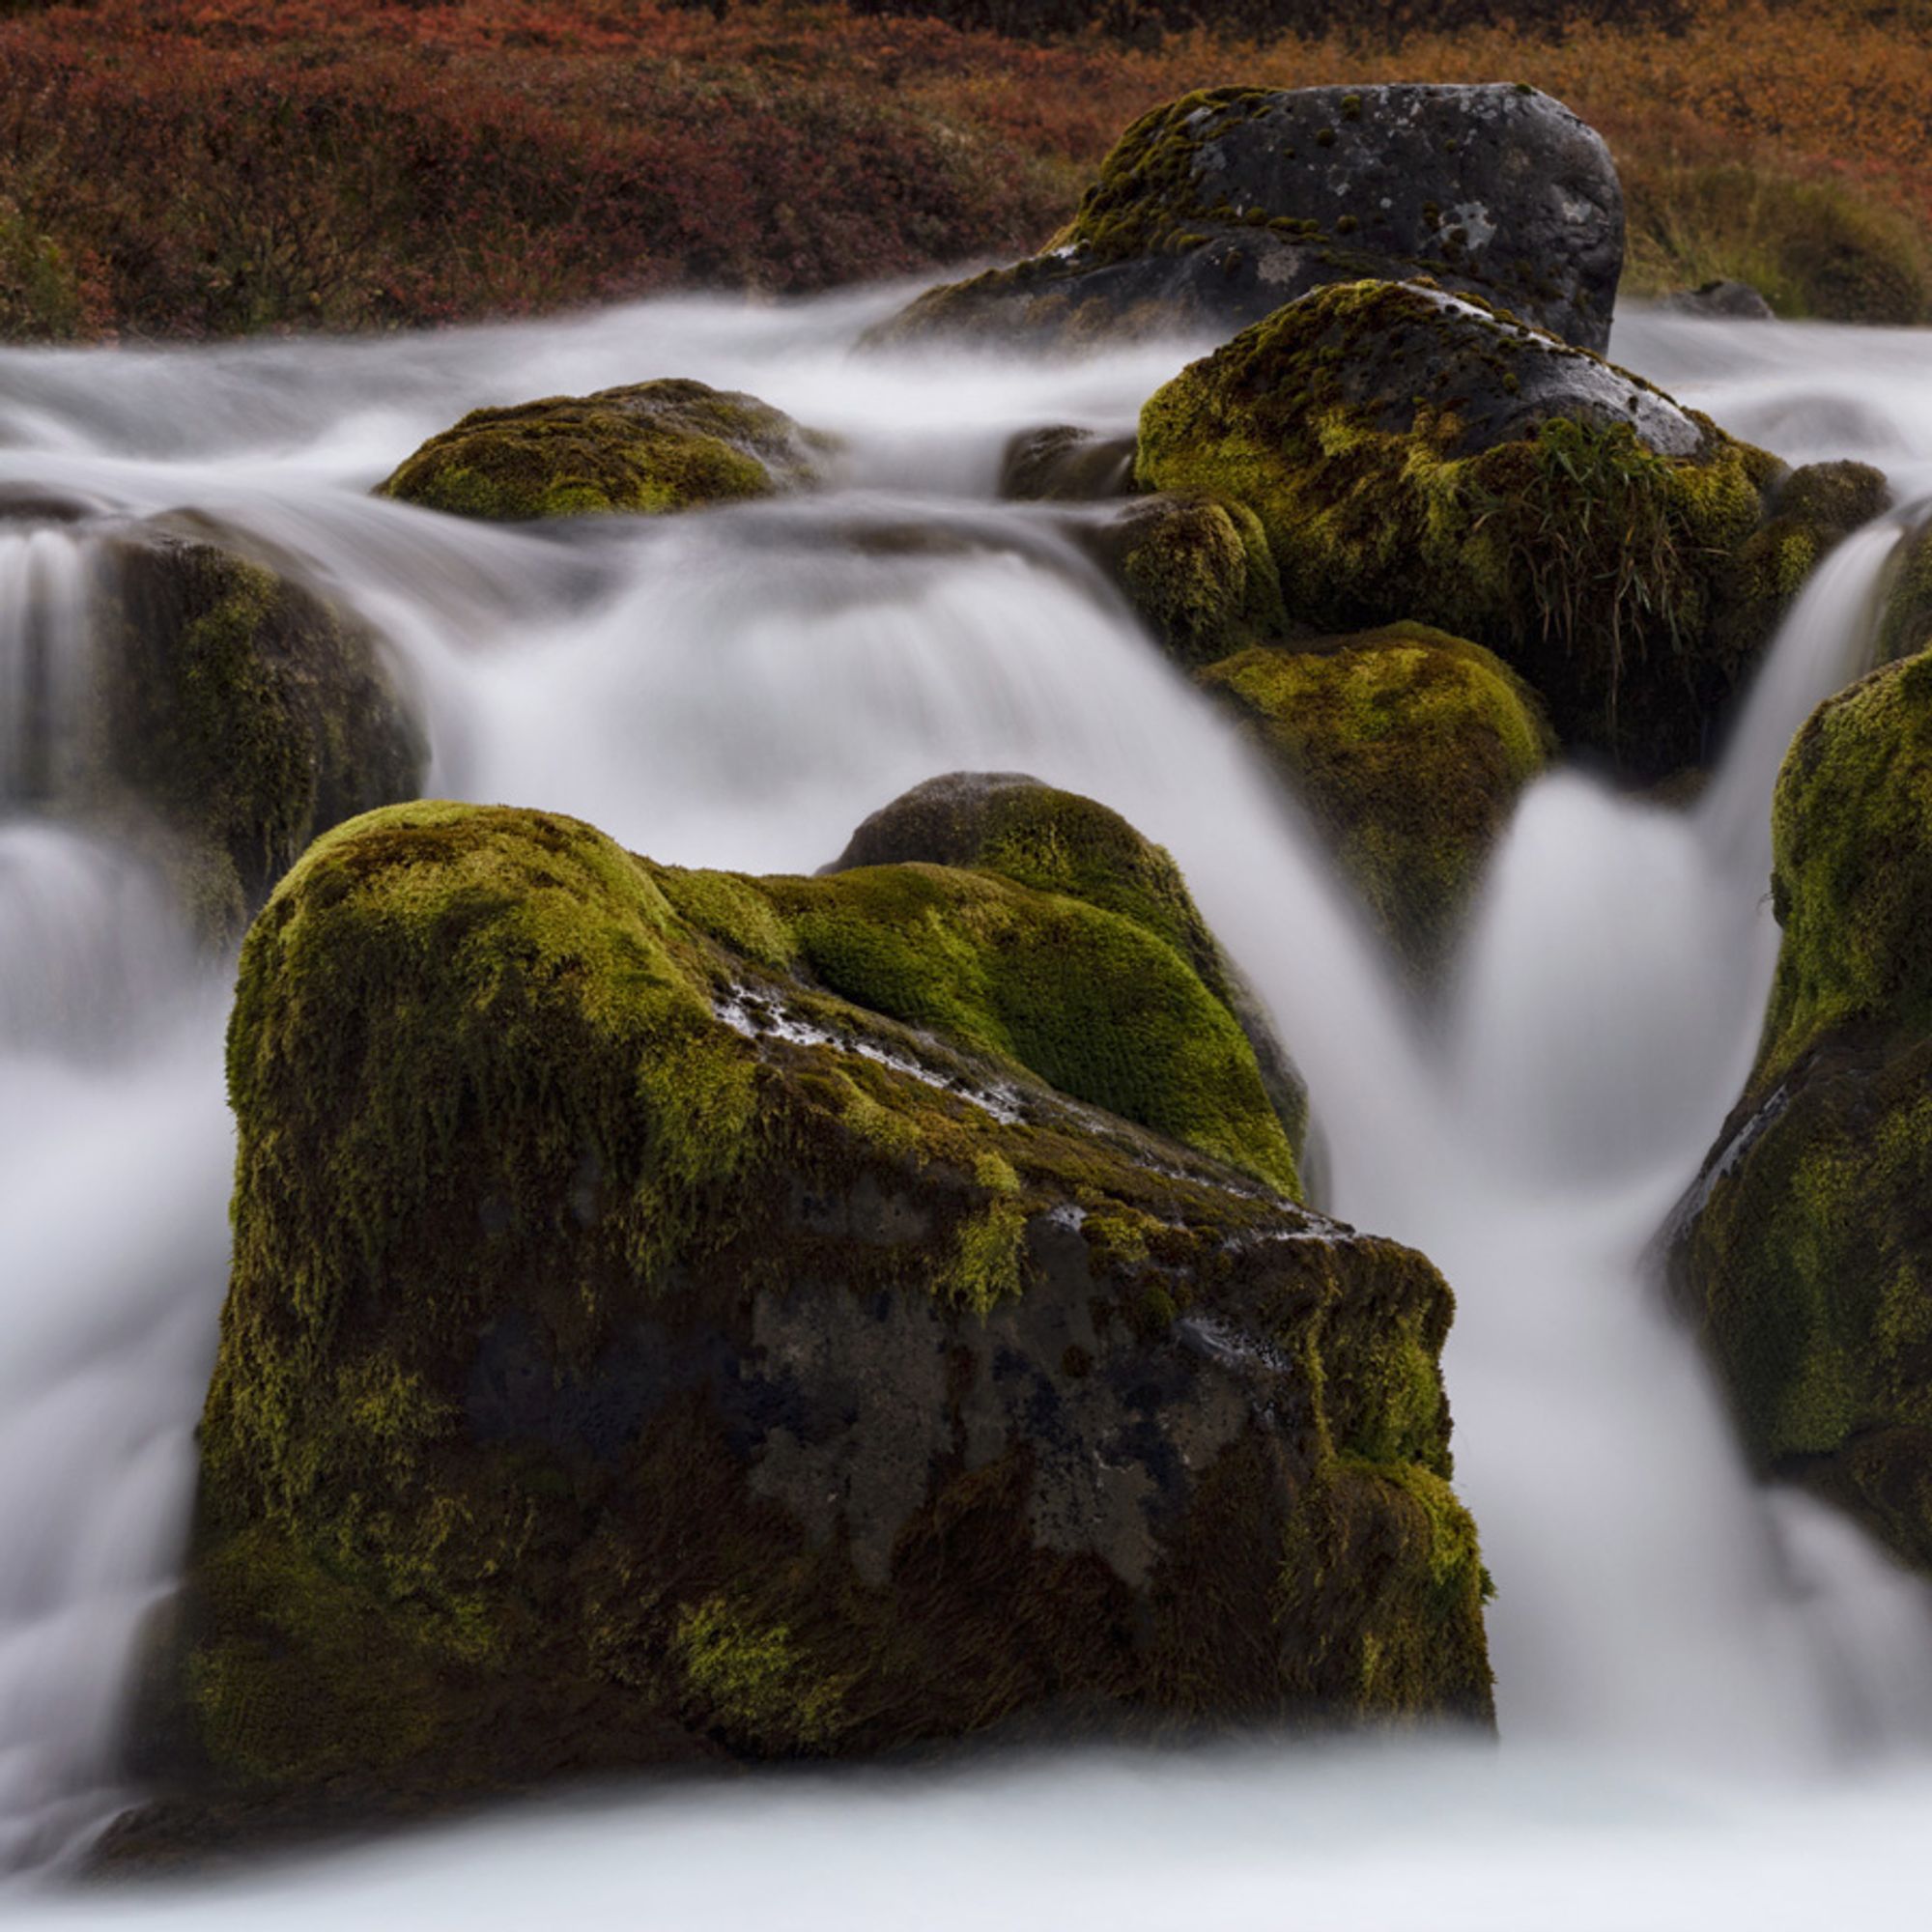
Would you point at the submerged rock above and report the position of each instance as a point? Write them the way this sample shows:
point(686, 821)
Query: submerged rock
point(639, 1350)
point(1415, 455)
point(648, 447)
point(1720, 300)
point(244, 713)
point(1409, 749)
point(1066, 465)
point(1804, 1251)
point(1214, 209)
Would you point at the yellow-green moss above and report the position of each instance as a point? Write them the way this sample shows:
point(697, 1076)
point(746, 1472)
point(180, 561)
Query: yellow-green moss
point(1094, 1002)
point(1809, 1259)
point(650, 448)
point(1410, 748)
point(1852, 878)
point(1198, 573)
point(751, 1684)
point(542, 1268)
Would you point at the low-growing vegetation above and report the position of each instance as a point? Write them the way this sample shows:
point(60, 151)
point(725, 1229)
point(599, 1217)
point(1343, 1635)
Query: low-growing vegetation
point(170, 170)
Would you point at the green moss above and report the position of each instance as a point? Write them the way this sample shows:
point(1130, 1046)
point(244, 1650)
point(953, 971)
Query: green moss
point(1096, 1003)
point(650, 447)
point(1808, 1259)
point(1198, 573)
point(1410, 748)
point(1565, 544)
point(986, 1265)
point(751, 1684)
point(1852, 833)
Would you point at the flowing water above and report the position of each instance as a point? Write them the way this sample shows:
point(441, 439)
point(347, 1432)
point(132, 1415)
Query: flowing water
point(1713, 1698)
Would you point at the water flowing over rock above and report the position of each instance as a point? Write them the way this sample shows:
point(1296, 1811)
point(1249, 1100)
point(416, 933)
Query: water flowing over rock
point(636, 1351)
point(243, 712)
point(1216, 209)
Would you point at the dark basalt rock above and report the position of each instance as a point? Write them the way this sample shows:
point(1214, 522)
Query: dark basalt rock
point(1409, 749)
point(1196, 569)
point(232, 715)
point(1218, 208)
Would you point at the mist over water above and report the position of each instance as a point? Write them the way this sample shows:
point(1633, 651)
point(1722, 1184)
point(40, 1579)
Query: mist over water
point(1708, 1694)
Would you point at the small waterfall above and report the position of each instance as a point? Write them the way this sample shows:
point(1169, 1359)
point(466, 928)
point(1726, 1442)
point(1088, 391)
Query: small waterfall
point(741, 688)
point(1606, 1014)
point(113, 1143)
point(45, 583)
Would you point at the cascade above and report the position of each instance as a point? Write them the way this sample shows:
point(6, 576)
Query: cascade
point(741, 688)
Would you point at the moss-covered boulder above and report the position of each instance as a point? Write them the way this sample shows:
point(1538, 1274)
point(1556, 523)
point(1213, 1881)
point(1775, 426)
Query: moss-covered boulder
point(1215, 208)
point(1415, 455)
point(1197, 570)
point(648, 447)
point(1804, 1251)
point(638, 1350)
point(241, 712)
point(1057, 841)
point(1409, 749)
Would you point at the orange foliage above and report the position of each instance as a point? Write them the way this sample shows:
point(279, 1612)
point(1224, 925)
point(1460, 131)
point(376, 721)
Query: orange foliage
point(228, 165)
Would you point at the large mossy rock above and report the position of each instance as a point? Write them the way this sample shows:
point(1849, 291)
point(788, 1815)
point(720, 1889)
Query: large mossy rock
point(1018, 828)
point(1804, 1251)
point(1414, 455)
point(637, 1350)
point(243, 712)
point(648, 447)
point(1216, 209)
point(1409, 749)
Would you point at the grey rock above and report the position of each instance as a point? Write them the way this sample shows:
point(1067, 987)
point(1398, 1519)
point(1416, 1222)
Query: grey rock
point(1215, 209)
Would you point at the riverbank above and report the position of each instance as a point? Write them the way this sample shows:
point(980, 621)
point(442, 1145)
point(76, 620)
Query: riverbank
point(241, 166)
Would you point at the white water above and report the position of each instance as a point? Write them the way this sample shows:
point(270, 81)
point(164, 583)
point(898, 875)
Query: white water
point(1695, 1680)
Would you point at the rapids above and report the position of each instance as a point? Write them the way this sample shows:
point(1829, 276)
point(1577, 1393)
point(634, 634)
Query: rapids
point(1714, 1699)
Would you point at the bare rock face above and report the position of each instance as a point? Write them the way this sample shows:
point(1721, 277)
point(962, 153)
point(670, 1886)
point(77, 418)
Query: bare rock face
point(1218, 208)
